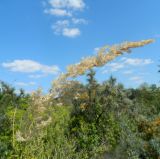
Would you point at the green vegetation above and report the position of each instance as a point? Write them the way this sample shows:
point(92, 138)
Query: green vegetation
point(88, 121)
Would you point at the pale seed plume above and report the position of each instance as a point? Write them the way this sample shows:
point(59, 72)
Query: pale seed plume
point(104, 55)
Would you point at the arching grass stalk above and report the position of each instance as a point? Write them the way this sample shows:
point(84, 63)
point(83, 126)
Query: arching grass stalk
point(104, 55)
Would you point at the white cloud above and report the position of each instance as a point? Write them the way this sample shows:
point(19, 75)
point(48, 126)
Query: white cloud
point(30, 66)
point(71, 32)
point(66, 8)
point(96, 49)
point(137, 79)
point(72, 4)
point(37, 76)
point(147, 61)
point(113, 67)
point(145, 73)
point(116, 66)
point(79, 21)
point(136, 61)
point(58, 12)
point(126, 62)
point(23, 84)
point(59, 26)
point(128, 72)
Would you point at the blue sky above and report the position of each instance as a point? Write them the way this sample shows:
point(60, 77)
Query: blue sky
point(38, 39)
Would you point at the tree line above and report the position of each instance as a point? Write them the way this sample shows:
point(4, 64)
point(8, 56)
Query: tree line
point(89, 121)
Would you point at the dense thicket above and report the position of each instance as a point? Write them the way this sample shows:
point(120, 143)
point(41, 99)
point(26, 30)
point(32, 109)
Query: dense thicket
point(89, 121)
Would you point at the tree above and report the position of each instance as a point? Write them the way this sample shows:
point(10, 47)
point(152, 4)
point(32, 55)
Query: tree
point(92, 86)
point(9, 102)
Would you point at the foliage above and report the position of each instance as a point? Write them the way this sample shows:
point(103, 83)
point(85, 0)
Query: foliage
point(88, 121)
point(102, 121)
point(10, 102)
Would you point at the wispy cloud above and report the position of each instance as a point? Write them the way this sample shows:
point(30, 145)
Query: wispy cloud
point(25, 84)
point(96, 49)
point(73, 32)
point(128, 72)
point(124, 62)
point(113, 67)
point(69, 4)
point(30, 66)
point(137, 79)
point(61, 27)
point(79, 21)
point(136, 61)
point(68, 24)
point(58, 12)
point(36, 76)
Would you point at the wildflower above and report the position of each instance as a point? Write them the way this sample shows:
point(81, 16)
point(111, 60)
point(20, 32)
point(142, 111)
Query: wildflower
point(19, 136)
point(44, 123)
